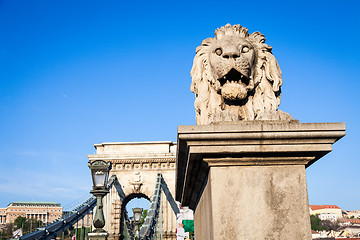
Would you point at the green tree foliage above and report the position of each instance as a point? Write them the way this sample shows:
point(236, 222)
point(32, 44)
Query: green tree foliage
point(19, 222)
point(315, 223)
point(320, 225)
point(144, 214)
point(330, 225)
point(81, 232)
point(27, 224)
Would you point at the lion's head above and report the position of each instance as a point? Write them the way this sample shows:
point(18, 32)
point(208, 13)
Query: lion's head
point(236, 77)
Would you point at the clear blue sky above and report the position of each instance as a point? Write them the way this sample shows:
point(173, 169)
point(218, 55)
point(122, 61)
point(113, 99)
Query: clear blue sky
point(76, 73)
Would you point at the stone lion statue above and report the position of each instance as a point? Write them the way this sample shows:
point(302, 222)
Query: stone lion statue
point(235, 77)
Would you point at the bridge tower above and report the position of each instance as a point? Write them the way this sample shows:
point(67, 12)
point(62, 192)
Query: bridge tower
point(136, 165)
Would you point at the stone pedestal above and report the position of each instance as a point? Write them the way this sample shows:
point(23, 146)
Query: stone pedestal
point(98, 236)
point(247, 180)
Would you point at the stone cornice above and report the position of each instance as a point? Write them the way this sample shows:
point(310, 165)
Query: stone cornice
point(134, 143)
point(257, 161)
point(152, 160)
point(248, 143)
point(131, 160)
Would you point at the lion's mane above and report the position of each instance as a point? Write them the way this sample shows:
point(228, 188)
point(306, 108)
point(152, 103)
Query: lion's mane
point(264, 92)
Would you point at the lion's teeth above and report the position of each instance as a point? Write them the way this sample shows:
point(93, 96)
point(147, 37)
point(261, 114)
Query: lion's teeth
point(224, 77)
point(227, 81)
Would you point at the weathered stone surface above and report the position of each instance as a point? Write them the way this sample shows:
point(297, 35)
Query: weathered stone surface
point(262, 202)
point(236, 77)
point(247, 180)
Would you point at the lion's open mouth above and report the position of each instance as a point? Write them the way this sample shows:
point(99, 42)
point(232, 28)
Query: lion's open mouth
point(234, 76)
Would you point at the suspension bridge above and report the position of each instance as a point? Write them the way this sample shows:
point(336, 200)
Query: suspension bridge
point(147, 231)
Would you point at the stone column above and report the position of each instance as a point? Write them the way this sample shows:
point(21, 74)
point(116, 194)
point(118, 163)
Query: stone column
point(247, 181)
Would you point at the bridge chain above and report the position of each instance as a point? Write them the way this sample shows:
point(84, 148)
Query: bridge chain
point(148, 228)
point(146, 231)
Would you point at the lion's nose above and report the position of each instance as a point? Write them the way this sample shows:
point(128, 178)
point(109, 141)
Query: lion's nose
point(231, 55)
point(231, 52)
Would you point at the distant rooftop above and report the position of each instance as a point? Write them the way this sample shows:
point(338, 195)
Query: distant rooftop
point(317, 207)
point(33, 203)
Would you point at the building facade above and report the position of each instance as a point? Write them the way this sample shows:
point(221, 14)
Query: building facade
point(352, 214)
point(326, 212)
point(2, 215)
point(86, 221)
point(47, 212)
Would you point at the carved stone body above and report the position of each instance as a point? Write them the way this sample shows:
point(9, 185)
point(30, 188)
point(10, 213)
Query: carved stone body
point(236, 77)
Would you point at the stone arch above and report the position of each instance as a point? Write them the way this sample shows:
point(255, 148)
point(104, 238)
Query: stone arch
point(136, 166)
point(127, 199)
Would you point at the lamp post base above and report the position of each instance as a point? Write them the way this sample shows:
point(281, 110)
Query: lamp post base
point(99, 230)
point(98, 236)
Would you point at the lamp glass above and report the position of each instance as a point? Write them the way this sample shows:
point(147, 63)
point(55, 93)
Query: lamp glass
point(137, 214)
point(99, 172)
point(137, 217)
point(99, 178)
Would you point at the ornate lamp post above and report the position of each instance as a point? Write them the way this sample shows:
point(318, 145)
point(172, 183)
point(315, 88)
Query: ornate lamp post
point(137, 220)
point(99, 172)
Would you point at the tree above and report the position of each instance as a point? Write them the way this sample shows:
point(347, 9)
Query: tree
point(330, 225)
point(144, 214)
point(27, 224)
point(20, 222)
point(315, 223)
point(319, 225)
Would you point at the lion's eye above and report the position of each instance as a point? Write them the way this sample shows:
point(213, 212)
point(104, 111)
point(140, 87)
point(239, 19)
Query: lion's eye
point(245, 49)
point(218, 51)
